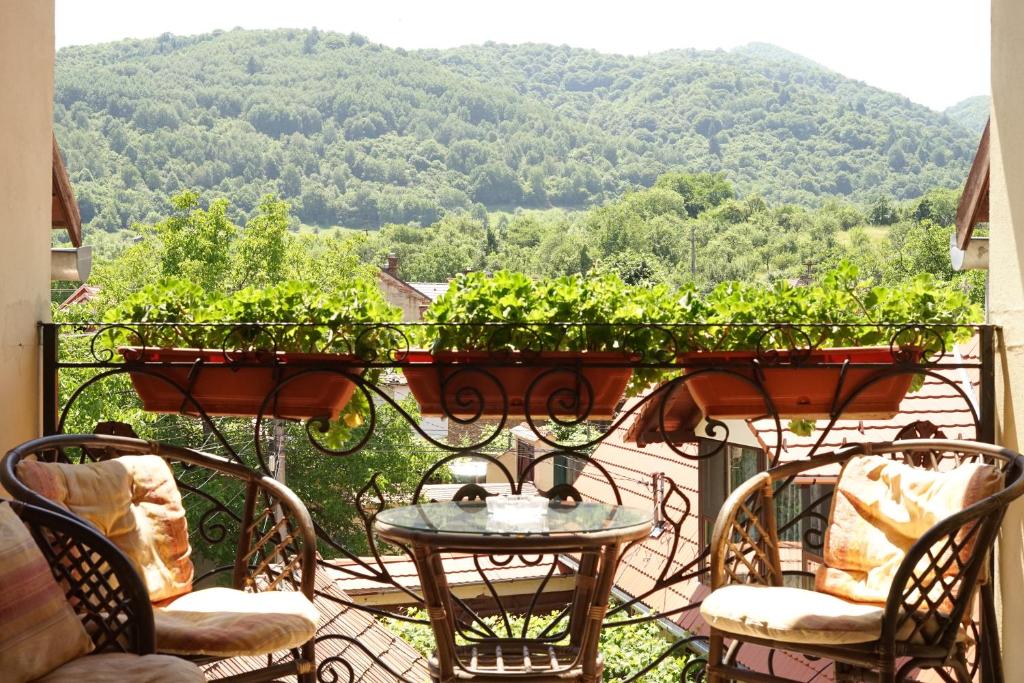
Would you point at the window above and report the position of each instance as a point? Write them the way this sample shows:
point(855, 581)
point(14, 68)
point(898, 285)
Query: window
point(524, 458)
point(719, 475)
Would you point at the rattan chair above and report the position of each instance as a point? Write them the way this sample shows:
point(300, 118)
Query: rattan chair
point(275, 549)
point(931, 596)
point(106, 593)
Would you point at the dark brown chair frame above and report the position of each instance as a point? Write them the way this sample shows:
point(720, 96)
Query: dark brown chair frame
point(745, 549)
point(281, 528)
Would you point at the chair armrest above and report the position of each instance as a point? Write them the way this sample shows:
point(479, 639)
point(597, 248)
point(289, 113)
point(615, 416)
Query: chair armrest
point(277, 543)
point(933, 588)
point(744, 543)
point(99, 581)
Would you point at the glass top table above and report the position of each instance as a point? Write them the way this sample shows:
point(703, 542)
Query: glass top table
point(593, 533)
point(473, 519)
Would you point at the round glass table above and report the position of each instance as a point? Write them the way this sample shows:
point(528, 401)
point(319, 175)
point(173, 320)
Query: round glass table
point(589, 536)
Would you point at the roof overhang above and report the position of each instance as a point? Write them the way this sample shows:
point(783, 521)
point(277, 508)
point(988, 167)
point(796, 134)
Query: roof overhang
point(64, 210)
point(973, 207)
point(671, 415)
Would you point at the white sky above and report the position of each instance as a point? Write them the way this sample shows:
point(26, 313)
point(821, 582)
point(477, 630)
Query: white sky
point(936, 52)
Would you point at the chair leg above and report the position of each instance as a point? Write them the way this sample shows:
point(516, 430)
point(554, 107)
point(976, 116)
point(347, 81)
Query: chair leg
point(887, 672)
point(847, 673)
point(714, 657)
point(309, 655)
point(960, 668)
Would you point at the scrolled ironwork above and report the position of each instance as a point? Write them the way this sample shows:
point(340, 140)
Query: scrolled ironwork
point(380, 351)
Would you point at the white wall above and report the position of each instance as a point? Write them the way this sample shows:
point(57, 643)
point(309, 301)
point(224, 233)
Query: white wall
point(26, 124)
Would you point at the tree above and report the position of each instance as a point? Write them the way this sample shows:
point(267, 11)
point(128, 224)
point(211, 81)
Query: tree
point(495, 183)
point(882, 212)
point(700, 191)
point(259, 256)
point(197, 242)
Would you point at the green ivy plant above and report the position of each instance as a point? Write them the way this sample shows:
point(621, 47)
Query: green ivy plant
point(510, 311)
point(594, 314)
point(257, 319)
point(337, 322)
point(840, 310)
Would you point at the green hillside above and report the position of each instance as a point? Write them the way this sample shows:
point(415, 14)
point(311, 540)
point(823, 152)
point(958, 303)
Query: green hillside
point(971, 113)
point(357, 134)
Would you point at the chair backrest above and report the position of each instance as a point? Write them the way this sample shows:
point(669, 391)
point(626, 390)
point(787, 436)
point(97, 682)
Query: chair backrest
point(99, 581)
point(272, 521)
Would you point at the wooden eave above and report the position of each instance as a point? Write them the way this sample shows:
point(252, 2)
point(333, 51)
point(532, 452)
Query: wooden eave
point(672, 414)
point(973, 207)
point(64, 214)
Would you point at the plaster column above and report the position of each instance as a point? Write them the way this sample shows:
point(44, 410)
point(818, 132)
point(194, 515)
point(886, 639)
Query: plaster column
point(26, 124)
point(1006, 270)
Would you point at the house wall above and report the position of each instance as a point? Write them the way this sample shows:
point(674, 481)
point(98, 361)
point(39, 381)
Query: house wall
point(403, 296)
point(1006, 302)
point(26, 122)
point(543, 474)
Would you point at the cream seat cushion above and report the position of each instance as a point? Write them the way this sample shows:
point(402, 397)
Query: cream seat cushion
point(134, 501)
point(121, 667)
point(224, 622)
point(791, 615)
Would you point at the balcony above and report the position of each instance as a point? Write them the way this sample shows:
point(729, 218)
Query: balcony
point(669, 448)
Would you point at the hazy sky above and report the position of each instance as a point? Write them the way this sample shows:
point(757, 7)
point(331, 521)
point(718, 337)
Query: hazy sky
point(934, 51)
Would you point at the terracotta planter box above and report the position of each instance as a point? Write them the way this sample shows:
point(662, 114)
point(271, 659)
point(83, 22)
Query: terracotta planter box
point(803, 390)
point(515, 372)
point(237, 384)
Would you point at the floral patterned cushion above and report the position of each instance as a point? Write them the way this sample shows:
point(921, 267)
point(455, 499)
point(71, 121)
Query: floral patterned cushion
point(880, 508)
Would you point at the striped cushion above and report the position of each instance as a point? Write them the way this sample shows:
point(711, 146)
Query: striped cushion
point(38, 629)
point(116, 667)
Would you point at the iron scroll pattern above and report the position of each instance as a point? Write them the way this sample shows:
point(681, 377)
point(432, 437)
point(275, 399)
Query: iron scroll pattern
point(556, 407)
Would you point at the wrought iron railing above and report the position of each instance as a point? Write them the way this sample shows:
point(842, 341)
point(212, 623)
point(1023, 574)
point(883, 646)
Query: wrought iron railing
point(86, 381)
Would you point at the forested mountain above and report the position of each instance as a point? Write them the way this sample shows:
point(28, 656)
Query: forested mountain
point(357, 134)
point(971, 113)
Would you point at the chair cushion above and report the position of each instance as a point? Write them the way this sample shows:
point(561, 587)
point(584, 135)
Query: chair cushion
point(119, 666)
point(224, 622)
point(38, 629)
point(134, 501)
point(791, 615)
point(880, 508)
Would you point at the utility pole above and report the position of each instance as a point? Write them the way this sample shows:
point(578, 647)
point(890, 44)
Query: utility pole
point(278, 469)
point(279, 455)
point(693, 251)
